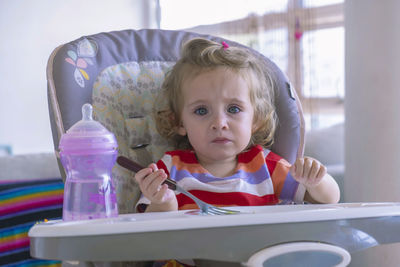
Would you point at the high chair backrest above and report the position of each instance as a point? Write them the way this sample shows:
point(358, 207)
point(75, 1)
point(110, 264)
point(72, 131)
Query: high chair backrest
point(120, 73)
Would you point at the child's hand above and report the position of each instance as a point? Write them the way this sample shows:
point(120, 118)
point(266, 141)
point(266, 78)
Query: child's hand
point(150, 182)
point(308, 171)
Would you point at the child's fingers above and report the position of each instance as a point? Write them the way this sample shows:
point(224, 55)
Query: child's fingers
point(315, 167)
point(321, 173)
point(308, 171)
point(148, 183)
point(162, 194)
point(156, 180)
point(317, 172)
point(153, 166)
point(140, 175)
point(298, 167)
point(307, 166)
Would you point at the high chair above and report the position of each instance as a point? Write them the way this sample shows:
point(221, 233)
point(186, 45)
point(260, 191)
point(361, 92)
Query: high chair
point(120, 73)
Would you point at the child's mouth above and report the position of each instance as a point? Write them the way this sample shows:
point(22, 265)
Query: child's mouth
point(221, 140)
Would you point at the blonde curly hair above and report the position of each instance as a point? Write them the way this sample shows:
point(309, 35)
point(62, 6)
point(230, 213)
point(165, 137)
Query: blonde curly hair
point(200, 55)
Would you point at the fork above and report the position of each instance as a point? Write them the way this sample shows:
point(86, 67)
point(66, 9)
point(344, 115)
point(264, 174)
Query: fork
point(204, 207)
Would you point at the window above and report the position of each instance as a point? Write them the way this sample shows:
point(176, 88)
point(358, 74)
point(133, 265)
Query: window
point(305, 38)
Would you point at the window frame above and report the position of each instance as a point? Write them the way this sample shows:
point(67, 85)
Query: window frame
point(324, 17)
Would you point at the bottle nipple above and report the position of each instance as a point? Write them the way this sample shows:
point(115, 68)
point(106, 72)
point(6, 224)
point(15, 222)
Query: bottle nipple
point(87, 112)
point(87, 134)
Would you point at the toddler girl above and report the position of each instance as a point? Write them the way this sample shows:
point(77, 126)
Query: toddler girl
point(222, 119)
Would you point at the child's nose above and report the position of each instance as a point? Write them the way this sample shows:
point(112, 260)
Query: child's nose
point(219, 122)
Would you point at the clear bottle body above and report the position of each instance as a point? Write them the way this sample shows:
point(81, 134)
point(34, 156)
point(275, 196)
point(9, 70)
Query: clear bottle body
point(89, 191)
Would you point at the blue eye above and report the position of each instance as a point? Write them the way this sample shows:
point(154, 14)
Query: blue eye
point(201, 111)
point(234, 109)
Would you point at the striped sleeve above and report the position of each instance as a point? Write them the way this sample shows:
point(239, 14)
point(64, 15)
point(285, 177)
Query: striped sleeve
point(285, 186)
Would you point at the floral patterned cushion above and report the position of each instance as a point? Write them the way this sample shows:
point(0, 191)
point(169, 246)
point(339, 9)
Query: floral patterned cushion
point(122, 99)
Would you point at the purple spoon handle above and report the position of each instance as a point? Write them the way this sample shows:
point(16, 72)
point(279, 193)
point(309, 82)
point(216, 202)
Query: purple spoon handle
point(135, 167)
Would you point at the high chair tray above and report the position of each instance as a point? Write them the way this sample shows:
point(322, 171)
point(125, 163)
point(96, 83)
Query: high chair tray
point(182, 234)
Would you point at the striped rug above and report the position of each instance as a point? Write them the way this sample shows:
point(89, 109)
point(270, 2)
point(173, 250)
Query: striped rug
point(22, 204)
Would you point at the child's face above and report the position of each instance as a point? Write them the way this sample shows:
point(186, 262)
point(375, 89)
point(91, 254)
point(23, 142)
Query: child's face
point(217, 115)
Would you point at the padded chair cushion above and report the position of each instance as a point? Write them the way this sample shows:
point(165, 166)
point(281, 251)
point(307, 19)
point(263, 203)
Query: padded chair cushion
point(123, 97)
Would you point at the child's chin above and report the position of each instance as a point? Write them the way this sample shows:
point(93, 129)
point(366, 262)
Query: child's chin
point(223, 156)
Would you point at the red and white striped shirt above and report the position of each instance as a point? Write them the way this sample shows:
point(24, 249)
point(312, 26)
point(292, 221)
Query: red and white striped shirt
point(261, 178)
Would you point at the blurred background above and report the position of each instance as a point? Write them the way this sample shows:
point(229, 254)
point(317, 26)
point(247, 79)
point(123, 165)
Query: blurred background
point(305, 38)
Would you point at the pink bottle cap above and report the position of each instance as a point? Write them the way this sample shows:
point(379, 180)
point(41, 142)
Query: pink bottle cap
point(87, 135)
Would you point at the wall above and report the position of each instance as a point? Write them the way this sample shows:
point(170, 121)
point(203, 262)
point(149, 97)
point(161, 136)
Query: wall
point(372, 100)
point(372, 127)
point(29, 31)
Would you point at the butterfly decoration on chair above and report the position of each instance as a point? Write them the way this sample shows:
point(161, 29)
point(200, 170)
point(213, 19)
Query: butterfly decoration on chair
point(80, 59)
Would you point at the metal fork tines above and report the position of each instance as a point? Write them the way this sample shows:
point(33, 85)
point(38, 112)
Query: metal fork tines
point(204, 207)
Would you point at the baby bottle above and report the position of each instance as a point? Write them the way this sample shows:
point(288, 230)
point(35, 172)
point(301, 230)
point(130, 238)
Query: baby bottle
point(88, 153)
